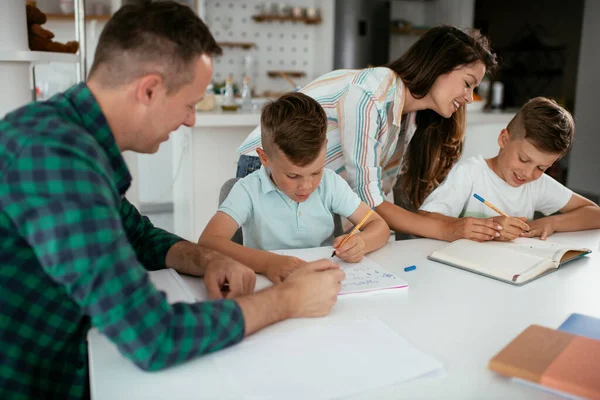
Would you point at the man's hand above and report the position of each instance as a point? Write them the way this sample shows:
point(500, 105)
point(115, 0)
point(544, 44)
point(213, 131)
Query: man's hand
point(478, 229)
point(280, 267)
point(313, 289)
point(223, 272)
point(352, 251)
point(512, 227)
point(542, 227)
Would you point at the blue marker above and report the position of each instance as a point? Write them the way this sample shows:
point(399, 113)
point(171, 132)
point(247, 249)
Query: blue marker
point(411, 268)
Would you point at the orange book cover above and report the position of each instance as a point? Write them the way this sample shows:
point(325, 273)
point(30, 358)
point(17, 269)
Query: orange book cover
point(554, 359)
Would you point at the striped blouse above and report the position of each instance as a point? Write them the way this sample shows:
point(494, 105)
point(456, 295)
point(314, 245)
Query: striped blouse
point(366, 133)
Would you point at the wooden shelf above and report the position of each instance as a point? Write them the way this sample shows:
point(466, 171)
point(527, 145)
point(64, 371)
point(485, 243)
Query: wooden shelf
point(269, 18)
point(408, 31)
point(290, 74)
point(37, 56)
point(71, 17)
point(240, 45)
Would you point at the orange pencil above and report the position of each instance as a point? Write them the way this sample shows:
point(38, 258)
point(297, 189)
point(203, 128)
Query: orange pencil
point(356, 228)
point(490, 205)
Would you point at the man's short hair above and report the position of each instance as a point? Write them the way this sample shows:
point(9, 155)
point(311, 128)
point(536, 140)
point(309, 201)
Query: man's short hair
point(548, 126)
point(297, 125)
point(161, 37)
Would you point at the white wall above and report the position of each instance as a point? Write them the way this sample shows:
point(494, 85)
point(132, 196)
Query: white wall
point(584, 162)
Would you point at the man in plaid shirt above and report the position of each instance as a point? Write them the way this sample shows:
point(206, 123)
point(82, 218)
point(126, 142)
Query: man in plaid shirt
point(74, 252)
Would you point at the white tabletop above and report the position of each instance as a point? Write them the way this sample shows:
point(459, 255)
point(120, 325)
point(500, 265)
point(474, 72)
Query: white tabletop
point(460, 318)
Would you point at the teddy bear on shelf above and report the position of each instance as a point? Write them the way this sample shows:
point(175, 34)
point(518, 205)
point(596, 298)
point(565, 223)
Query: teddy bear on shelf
point(40, 39)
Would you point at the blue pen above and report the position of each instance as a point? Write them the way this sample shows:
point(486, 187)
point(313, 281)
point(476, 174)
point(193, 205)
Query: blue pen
point(411, 268)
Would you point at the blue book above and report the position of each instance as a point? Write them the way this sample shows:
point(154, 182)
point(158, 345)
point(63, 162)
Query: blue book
point(582, 325)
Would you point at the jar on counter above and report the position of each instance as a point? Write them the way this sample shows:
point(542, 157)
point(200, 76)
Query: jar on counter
point(208, 102)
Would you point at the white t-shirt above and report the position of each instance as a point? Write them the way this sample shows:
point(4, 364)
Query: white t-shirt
point(454, 197)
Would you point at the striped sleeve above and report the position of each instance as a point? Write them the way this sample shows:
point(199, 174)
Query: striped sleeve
point(361, 139)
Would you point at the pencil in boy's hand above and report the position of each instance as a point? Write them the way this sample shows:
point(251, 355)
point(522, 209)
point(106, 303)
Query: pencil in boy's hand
point(490, 205)
point(356, 228)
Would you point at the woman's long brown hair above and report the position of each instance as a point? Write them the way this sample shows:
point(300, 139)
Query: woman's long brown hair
point(437, 143)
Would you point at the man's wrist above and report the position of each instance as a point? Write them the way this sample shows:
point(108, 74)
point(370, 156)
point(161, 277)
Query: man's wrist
point(190, 258)
point(286, 297)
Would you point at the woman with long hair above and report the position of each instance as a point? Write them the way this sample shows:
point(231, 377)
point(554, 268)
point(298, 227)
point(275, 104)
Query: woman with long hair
point(401, 124)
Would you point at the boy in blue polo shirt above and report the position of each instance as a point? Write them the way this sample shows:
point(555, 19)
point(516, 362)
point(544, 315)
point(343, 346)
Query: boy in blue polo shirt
point(290, 202)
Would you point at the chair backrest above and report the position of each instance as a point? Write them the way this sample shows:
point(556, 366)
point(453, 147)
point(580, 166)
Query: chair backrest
point(225, 189)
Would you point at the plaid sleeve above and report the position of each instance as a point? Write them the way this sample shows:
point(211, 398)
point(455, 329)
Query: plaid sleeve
point(66, 209)
point(151, 244)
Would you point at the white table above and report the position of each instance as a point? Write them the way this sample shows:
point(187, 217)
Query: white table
point(460, 318)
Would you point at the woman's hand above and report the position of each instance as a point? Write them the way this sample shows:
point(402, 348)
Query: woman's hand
point(512, 227)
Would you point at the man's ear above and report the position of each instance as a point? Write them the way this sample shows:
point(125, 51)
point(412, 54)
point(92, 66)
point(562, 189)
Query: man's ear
point(148, 88)
point(503, 138)
point(264, 159)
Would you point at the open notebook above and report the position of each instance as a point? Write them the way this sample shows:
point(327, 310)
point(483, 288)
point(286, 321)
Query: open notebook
point(361, 277)
point(517, 262)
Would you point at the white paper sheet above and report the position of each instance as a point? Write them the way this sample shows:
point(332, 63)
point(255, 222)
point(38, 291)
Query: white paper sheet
point(364, 276)
point(328, 359)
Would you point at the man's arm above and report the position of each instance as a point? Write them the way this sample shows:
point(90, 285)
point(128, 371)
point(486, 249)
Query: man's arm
point(308, 292)
point(76, 232)
point(150, 243)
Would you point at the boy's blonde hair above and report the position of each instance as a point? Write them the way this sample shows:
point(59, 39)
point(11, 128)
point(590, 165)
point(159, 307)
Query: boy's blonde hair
point(297, 125)
point(548, 126)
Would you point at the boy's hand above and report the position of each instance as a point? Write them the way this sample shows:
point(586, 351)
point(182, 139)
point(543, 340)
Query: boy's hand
point(542, 227)
point(512, 227)
point(280, 267)
point(224, 272)
point(313, 289)
point(352, 251)
point(478, 229)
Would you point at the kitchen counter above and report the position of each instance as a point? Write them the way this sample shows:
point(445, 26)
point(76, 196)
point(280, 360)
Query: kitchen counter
point(227, 118)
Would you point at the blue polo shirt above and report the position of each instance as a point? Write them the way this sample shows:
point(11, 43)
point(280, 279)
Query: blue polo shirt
point(270, 220)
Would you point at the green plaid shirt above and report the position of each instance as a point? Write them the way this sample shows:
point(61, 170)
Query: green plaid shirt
point(73, 253)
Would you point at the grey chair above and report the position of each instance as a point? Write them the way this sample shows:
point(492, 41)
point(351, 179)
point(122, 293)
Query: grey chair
point(239, 238)
point(225, 189)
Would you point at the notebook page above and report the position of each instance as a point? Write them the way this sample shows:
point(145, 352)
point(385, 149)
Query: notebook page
point(324, 360)
point(364, 276)
point(491, 259)
point(536, 247)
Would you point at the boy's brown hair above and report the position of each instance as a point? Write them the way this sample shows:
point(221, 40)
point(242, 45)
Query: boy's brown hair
point(297, 125)
point(548, 126)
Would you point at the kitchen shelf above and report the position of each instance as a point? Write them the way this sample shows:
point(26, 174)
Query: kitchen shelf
point(408, 31)
point(37, 56)
point(290, 74)
point(283, 18)
point(241, 45)
point(71, 17)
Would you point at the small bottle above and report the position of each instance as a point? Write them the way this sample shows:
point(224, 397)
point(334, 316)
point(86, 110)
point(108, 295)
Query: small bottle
point(246, 95)
point(228, 98)
point(497, 95)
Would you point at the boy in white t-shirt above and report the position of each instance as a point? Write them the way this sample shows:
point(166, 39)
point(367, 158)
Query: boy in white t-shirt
point(514, 182)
